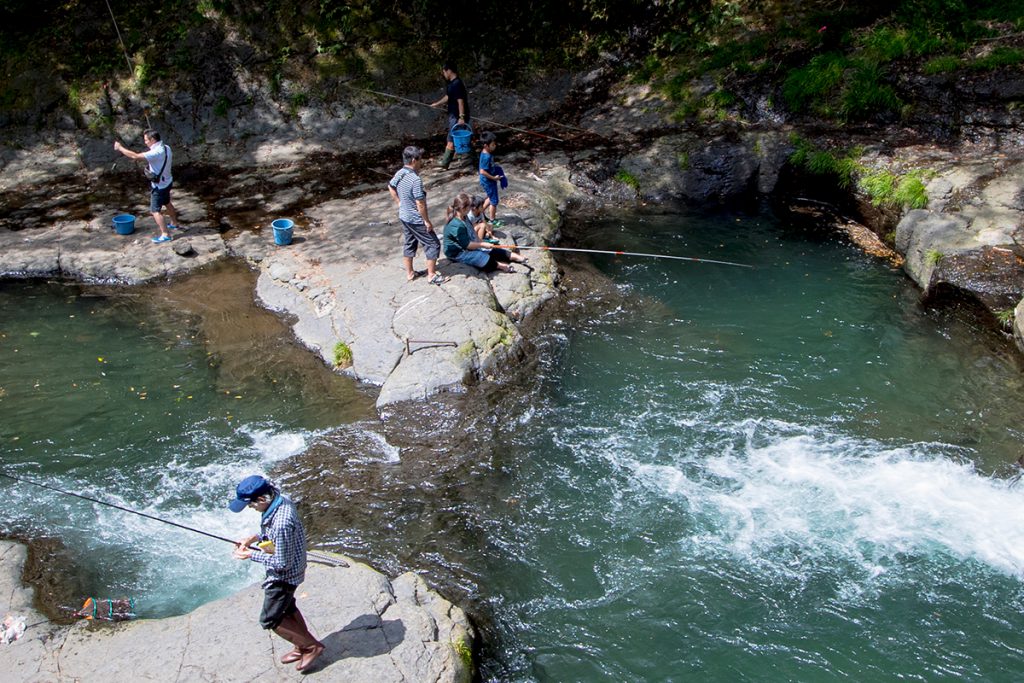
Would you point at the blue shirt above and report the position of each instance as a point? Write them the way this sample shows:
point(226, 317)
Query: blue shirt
point(486, 164)
point(281, 525)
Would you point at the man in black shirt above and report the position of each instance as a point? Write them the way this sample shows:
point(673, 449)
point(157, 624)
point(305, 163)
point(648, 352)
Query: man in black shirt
point(457, 99)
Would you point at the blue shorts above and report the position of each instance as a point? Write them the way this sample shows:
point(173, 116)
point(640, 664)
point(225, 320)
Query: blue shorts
point(491, 188)
point(477, 258)
point(417, 233)
point(159, 198)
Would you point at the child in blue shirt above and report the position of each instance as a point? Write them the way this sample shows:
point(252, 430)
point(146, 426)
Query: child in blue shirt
point(489, 177)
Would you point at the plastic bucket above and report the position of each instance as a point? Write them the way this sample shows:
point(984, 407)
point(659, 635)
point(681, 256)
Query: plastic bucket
point(124, 224)
point(461, 133)
point(282, 231)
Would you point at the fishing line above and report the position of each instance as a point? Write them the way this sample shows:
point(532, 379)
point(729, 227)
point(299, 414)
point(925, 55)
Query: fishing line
point(314, 556)
point(124, 51)
point(623, 253)
point(475, 118)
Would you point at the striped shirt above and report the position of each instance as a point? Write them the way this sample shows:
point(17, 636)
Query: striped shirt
point(409, 186)
point(283, 527)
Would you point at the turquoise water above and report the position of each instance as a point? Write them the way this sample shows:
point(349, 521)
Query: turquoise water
point(158, 400)
point(786, 473)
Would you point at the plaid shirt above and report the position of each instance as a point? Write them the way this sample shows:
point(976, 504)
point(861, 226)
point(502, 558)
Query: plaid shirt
point(288, 563)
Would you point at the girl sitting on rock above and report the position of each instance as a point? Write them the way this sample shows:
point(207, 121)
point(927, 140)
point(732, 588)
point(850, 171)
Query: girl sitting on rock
point(462, 244)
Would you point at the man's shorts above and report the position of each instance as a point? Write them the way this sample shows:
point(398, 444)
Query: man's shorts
point(452, 122)
point(159, 198)
point(491, 188)
point(278, 602)
point(417, 233)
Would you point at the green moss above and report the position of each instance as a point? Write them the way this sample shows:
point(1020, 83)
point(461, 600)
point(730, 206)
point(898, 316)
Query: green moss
point(933, 257)
point(683, 160)
point(342, 355)
point(466, 350)
point(624, 176)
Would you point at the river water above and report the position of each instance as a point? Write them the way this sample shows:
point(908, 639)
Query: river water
point(790, 472)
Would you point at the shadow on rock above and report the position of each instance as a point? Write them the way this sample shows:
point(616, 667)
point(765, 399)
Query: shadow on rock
point(366, 636)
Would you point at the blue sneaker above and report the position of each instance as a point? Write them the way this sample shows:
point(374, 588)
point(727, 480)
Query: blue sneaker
point(174, 227)
point(161, 238)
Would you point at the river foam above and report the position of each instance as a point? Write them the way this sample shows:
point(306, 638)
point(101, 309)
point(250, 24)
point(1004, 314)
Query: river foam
point(780, 488)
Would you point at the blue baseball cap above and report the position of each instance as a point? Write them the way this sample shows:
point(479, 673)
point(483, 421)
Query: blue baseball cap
point(249, 489)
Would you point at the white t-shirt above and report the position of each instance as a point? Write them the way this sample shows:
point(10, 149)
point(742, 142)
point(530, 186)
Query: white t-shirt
point(155, 158)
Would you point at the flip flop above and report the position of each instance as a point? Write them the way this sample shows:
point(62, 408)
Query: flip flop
point(417, 274)
point(438, 279)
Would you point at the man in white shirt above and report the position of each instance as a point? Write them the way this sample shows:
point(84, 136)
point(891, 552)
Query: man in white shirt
point(159, 157)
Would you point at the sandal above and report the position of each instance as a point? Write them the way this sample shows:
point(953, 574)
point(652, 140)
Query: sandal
point(416, 274)
point(438, 279)
point(511, 269)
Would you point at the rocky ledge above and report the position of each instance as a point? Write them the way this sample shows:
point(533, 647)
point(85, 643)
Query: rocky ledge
point(375, 629)
point(341, 279)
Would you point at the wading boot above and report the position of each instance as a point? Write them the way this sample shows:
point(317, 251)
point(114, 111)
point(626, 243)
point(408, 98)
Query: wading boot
point(446, 160)
point(307, 648)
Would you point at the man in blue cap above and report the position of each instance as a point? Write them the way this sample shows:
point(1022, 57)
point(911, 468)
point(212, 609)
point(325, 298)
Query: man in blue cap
point(281, 547)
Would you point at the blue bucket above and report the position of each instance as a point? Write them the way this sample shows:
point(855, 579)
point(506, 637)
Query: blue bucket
point(124, 224)
point(461, 137)
point(282, 231)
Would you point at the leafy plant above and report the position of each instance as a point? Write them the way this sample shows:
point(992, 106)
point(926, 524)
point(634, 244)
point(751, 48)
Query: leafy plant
point(999, 57)
point(1005, 318)
point(942, 64)
point(933, 257)
point(823, 162)
point(888, 189)
point(342, 355)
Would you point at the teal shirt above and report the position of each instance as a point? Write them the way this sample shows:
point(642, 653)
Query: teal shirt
point(456, 237)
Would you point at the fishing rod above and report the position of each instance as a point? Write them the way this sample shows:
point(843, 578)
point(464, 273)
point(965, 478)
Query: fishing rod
point(314, 556)
point(622, 253)
point(124, 51)
point(477, 118)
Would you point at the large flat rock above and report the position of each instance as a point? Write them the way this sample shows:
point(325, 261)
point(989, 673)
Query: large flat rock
point(343, 282)
point(375, 629)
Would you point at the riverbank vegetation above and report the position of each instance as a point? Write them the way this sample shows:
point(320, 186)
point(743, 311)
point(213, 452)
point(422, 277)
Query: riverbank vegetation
point(834, 60)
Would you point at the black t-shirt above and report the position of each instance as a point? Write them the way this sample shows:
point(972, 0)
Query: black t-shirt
point(457, 91)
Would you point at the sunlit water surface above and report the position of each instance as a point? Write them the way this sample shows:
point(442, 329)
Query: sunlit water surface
point(790, 472)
